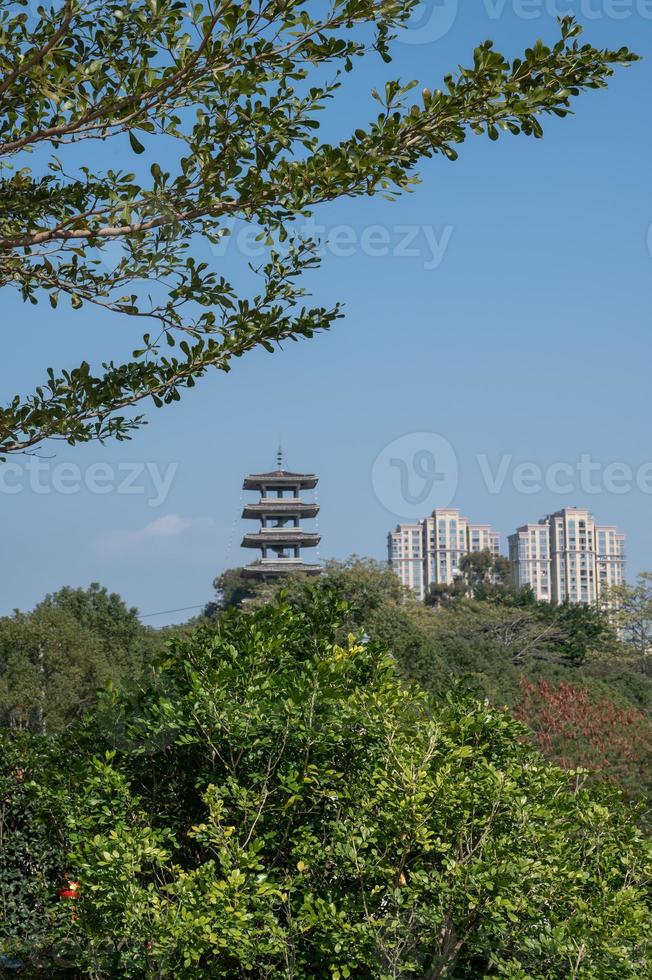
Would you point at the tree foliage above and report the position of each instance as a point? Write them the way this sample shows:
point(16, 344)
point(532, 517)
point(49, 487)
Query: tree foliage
point(50, 669)
point(363, 583)
point(577, 730)
point(572, 630)
point(33, 855)
point(485, 568)
point(308, 815)
point(222, 101)
point(54, 658)
point(490, 646)
point(632, 613)
point(446, 593)
point(233, 588)
point(123, 637)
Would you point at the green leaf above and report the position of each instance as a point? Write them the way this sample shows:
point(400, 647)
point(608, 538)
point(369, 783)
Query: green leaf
point(136, 145)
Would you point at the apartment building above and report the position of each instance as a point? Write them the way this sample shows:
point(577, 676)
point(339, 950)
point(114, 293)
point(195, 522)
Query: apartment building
point(429, 552)
point(531, 559)
point(567, 557)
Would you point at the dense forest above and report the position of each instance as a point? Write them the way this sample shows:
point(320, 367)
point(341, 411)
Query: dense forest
point(580, 681)
point(326, 780)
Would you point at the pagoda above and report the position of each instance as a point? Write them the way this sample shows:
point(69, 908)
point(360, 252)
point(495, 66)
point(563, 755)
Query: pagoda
point(280, 510)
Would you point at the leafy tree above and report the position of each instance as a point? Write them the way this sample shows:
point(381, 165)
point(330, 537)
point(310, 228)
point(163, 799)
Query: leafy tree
point(480, 572)
point(576, 630)
point(53, 659)
point(502, 594)
point(517, 652)
point(502, 570)
point(377, 603)
point(364, 583)
point(581, 629)
point(33, 857)
point(233, 588)
point(624, 679)
point(491, 646)
point(308, 815)
point(443, 593)
point(222, 100)
point(50, 669)
point(632, 613)
point(574, 729)
point(125, 641)
point(485, 568)
point(482, 645)
point(374, 598)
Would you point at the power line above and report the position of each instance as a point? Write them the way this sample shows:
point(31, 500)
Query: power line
point(168, 612)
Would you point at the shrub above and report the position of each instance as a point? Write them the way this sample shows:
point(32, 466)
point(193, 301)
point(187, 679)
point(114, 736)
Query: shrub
point(282, 805)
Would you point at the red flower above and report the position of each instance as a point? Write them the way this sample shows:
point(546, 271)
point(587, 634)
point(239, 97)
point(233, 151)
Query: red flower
point(70, 889)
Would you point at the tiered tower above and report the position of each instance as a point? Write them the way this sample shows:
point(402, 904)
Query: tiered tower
point(280, 510)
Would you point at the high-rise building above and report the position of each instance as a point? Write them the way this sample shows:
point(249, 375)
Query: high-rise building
point(531, 559)
point(429, 552)
point(280, 511)
point(405, 554)
point(567, 557)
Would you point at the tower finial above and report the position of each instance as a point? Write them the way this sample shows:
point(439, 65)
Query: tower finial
point(279, 454)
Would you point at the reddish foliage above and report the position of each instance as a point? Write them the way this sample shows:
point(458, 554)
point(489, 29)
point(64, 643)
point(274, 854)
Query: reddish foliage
point(573, 730)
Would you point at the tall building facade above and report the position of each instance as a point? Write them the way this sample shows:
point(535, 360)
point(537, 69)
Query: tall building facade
point(280, 511)
point(567, 557)
point(531, 559)
point(429, 552)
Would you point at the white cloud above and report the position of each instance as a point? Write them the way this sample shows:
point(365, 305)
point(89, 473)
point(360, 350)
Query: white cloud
point(169, 536)
point(165, 527)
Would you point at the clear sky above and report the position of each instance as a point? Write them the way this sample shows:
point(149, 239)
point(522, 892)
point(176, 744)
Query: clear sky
point(497, 322)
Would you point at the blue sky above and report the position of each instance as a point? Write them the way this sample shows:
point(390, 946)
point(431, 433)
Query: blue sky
point(499, 315)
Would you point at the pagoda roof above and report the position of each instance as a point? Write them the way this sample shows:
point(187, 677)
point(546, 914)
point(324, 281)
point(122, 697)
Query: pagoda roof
point(281, 537)
point(280, 478)
point(278, 506)
point(273, 568)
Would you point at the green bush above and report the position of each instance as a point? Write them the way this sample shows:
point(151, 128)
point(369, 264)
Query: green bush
point(34, 801)
point(54, 658)
point(282, 805)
